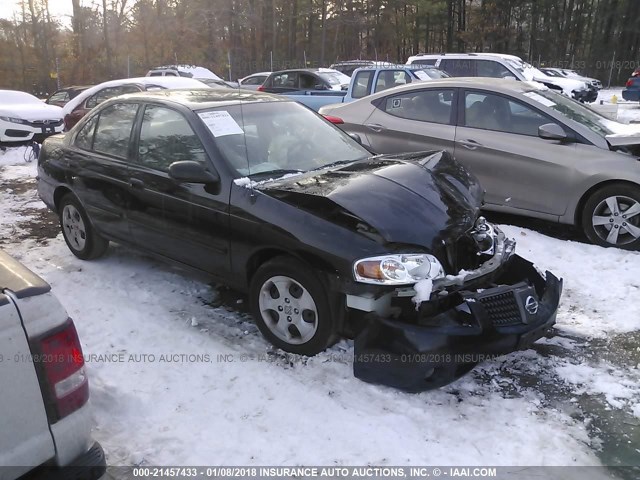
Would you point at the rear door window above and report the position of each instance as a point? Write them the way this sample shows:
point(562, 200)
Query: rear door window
point(113, 132)
point(84, 138)
point(459, 67)
point(433, 105)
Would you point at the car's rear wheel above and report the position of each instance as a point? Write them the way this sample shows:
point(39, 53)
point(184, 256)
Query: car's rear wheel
point(80, 236)
point(291, 307)
point(611, 216)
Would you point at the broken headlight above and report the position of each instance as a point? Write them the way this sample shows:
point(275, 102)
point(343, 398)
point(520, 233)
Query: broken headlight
point(397, 269)
point(484, 236)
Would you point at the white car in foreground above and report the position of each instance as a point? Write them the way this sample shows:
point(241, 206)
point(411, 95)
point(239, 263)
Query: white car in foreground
point(24, 117)
point(46, 421)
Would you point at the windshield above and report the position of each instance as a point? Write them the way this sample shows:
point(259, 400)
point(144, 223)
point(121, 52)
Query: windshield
point(578, 112)
point(278, 138)
point(335, 78)
point(552, 73)
point(433, 73)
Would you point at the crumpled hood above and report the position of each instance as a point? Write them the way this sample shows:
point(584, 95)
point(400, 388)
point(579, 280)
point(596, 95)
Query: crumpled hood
point(32, 112)
point(418, 199)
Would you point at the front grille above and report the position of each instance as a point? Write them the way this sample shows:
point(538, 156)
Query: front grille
point(46, 123)
point(502, 309)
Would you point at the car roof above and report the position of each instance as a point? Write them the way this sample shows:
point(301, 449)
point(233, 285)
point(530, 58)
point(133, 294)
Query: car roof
point(498, 85)
point(470, 55)
point(205, 98)
point(311, 70)
point(257, 74)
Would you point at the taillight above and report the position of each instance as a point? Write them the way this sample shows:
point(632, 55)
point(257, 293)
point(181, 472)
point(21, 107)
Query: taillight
point(334, 120)
point(58, 356)
point(261, 88)
point(629, 82)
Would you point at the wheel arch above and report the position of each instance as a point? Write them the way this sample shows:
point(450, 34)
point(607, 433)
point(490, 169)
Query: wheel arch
point(263, 255)
point(577, 215)
point(60, 192)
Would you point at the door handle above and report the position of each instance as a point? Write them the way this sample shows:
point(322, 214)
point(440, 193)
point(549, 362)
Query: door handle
point(376, 127)
point(470, 144)
point(136, 183)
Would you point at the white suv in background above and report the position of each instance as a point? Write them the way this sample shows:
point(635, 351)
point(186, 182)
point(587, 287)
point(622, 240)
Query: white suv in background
point(498, 65)
point(46, 422)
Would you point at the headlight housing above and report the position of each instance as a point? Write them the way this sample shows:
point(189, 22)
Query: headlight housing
point(397, 269)
point(15, 120)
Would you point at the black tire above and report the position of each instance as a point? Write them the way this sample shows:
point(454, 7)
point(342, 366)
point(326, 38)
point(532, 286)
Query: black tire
point(85, 243)
point(322, 321)
point(626, 196)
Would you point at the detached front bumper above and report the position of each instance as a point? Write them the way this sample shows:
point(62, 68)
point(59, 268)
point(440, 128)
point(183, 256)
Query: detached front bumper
point(459, 328)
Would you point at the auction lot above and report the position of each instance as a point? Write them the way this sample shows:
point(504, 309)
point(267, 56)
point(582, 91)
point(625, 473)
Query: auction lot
point(181, 376)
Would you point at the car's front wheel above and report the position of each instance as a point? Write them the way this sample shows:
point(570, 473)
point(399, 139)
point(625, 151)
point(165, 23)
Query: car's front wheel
point(80, 236)
point(291, 307)
point(611, 216)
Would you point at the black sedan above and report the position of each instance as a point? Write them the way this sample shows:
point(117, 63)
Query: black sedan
point(328, 240)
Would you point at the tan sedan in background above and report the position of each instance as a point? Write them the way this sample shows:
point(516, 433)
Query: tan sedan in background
point(536, 152)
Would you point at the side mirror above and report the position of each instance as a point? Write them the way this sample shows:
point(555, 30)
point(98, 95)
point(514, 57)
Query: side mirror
point(192, 172)
point(509, 77)
point(552, 131)
point(356, 137)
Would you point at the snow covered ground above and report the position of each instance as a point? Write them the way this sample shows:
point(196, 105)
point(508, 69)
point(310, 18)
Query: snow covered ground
point(627, 112)
point(178, 378)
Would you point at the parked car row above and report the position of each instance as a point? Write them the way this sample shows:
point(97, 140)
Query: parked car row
point(318, 87)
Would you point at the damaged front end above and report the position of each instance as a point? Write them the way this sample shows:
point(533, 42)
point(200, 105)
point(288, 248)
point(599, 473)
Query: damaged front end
point(502, 305)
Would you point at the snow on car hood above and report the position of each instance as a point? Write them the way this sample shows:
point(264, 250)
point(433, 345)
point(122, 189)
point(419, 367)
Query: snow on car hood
point(623, 134)
point(31, 112)
point(567, 84)
point(419, 199)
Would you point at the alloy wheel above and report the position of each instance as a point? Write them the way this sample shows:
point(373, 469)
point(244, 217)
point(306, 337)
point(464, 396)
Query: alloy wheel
point(616, 220)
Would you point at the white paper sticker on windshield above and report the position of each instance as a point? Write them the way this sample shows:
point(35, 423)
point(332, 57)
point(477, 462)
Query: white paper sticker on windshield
point(421, 75)
point(540, 99)
point(220, 123)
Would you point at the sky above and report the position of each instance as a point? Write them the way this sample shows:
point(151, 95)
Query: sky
point(58, 8)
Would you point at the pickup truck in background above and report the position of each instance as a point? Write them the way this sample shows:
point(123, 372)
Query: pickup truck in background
point(46, 422)
point(317, 87)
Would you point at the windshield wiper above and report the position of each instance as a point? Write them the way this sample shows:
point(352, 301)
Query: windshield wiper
point(280, 171)
point(343, 162)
